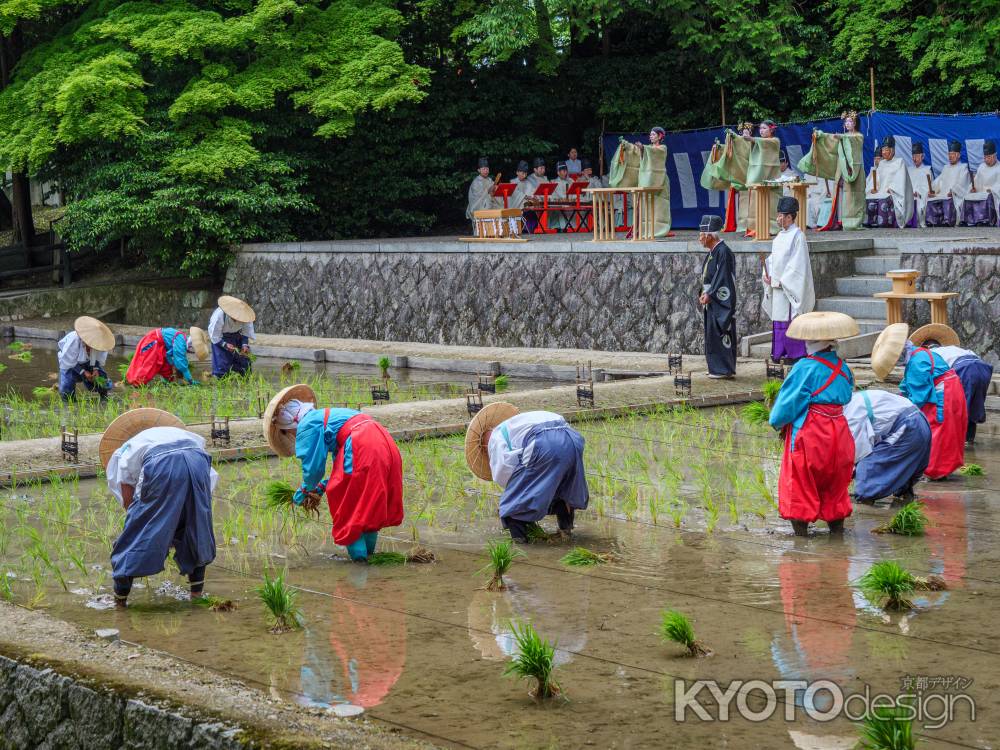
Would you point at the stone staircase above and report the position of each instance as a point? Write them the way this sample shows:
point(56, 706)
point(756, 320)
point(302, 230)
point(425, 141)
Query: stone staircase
point(853, 297)
point(854, 293)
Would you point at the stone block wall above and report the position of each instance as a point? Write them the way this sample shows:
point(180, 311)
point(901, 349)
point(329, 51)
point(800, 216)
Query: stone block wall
point(975, 314)
point(43, 710)
point(615, 300)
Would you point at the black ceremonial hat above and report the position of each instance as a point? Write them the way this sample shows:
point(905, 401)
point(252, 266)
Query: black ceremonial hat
point(955, 146)
point(484, 162)
point(710, 223)
point(989, 147)
point(522, 166)
point(788, 205)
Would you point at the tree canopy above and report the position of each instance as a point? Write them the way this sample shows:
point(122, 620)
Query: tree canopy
point(186, 126)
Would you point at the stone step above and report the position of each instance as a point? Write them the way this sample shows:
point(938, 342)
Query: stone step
point(870, 325)
point(887, 251)
point(856, 307)
point(862, 286)
point(876, 265)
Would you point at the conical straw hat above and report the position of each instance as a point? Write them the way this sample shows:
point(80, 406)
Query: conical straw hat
point(94, 333)
point(937, 333)
point(284, 443)
point(821, 326)
point(237, 309)
point(130, 424)
point(476, 454)
point(888, 346)
point(199, 342)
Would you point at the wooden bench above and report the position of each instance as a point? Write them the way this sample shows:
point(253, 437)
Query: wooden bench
point(894, 304)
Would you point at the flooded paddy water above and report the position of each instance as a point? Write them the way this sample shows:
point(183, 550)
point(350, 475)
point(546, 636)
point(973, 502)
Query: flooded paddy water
point(684, 501)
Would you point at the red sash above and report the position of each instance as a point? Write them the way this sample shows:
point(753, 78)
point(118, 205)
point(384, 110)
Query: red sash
point(838, 369)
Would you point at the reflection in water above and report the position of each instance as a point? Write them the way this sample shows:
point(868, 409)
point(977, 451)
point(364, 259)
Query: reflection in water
point(948, 535)
point(363, 655)
point(565, 626)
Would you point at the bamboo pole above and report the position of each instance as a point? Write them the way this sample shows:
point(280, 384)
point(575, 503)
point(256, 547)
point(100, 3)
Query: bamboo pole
point(722, 97)
point(871, 78)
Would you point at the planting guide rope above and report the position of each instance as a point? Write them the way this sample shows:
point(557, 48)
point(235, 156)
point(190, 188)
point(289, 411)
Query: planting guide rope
point(581, 654)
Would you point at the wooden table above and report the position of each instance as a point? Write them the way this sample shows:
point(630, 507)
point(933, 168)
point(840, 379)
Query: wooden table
point(604, 212)
point(894, 304)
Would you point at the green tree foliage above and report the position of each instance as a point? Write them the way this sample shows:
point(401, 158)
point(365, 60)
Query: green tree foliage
point(186, 126)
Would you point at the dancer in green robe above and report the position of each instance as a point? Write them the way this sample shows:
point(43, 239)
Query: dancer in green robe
point(765, 165)
point(839, 157)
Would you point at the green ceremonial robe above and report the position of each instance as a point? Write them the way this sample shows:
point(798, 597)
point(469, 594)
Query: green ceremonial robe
point(765, 164)
point(838, 156)
point(653, 173)
point(726, 169)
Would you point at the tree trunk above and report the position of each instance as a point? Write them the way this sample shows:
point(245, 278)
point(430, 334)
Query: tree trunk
point(6, 212)
point(24, 223)
point(545, 50)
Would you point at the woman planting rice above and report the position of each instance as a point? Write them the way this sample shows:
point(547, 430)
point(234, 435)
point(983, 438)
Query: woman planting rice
point(163, 352)
point(231, 330)
point(536, 457)
point(364, 490)
point(82, 354)
point(818, 460)
point(934, 388)
point(164, 479)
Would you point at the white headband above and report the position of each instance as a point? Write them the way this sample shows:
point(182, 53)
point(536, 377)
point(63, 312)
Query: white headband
point(291, 413)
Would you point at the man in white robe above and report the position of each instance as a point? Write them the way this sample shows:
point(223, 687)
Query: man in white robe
point(951, 186)
point(480, 192)
point(820, 202)
point(788, 282)
point(892, 189)
point(980, 207)
point(787, 173)
point(588, 175)
point(921, 179)
point(522, 187)
point(537, 176)
point(561, 219)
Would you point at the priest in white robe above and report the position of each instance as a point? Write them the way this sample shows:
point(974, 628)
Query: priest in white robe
point(921, 179)
point(980, 207)
point(537, 176)
point(819, 202)
point(787, 173)
point(480, 192)
point(944, 205)
point(890, 199)
point(788, 282)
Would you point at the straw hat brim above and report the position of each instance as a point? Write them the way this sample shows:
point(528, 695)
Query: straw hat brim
point(476, 453)
point(822, 326)
point(130, 424)
point(237, 309)
point(199, 342)
point(888, 346)
point(284, 443)
point(936, 333)
point(94, 333)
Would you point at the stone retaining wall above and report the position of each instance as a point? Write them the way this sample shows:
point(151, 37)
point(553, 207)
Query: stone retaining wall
point(575, 295)
point(43, 710)
point(975, 314)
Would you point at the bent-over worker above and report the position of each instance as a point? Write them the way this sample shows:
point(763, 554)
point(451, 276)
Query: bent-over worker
point(163, 352)
point(536, 457)
point(230, 330)
point(365, 488)
point(164, 479)
point(82, 354)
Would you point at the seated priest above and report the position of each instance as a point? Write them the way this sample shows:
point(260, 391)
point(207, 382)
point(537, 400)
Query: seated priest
point(946, 200)
point(481, 191)
point(979, 209)
point(889, 201)
point(921, 178)
point(523, 187)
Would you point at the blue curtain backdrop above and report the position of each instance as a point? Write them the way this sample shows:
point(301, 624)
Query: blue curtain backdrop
point(688, 150)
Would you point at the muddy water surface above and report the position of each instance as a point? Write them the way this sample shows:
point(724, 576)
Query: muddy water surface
point(424, 646)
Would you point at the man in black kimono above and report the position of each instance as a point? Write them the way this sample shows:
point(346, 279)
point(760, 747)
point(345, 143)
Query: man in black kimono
point(718, 299)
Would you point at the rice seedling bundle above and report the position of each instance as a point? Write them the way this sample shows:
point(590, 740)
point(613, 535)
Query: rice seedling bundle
point(280, 494)
point(771, 388)
point(534, 659)
point(386, 558)
point(280, 600)
point(676, 627)
point(910, 520)
point(214, 603)
point(502, 553)
point(583, 557)
point(887, 728)
point(756, 413)
point(971, 470)
point(502, 382)
point(888, 584)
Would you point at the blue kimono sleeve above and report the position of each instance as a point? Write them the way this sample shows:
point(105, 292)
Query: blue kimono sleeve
point(794, 397)
point(310, 449)
point(918, 379)
point(179, 357)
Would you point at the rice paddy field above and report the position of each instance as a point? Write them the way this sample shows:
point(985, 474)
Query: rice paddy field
point(30, 406)
point(682, 518)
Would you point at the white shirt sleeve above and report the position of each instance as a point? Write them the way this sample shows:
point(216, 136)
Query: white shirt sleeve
point(71, 351)
point(861, 427)
point(249, 332)
point(215, 326)
point(504, 457)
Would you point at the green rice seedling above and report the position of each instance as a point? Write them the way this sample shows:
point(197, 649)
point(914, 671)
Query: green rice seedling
point(910, 520)
point(3, 367)
point(675, 626)
point(534, 658)
point(6, 590)
point(17, 346)
point(502, 383)
point(386, 558)
point(755, 413)
point(583, 557)
point(383, 364)
point(971, 470)
point(280, 494)
point(502, 553)
point(43, 393)
point(770, 388)
point(279, 599)
point(24, 356)
point(887, 728)
point(887, 584)
point(214, 603)
point(537, 534)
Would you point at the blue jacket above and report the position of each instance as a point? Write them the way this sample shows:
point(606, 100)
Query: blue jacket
point(314, 442)
point(922, 368)
point(799, 390)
